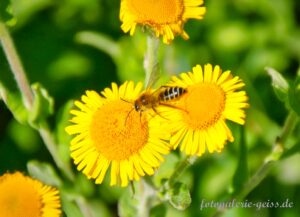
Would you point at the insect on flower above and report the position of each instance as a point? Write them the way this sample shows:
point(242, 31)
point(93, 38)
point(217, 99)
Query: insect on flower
point(161, 96)
point(150, 99)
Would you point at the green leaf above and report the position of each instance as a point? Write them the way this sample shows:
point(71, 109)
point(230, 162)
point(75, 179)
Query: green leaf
point(179, 196)
point(127, 205)
point(62, 138)
point(25, 10)
point(98, 208)
point(15, 104)
point(43, 106)
point(6, 13)
point(99, 41)
point(166, 169)
point(159, 210)
point(280, 85)
point(43, 172)
point(289, 152)
point(122, 52)
point(294, 95)
point(69, 207)
point(241, 174)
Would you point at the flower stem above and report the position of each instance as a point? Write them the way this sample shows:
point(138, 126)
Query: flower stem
point(16, 66)
point(269, 162)
point(151, 59)
point(27, 95)
point(179, 170)
point(48, 139)
point(146, 192)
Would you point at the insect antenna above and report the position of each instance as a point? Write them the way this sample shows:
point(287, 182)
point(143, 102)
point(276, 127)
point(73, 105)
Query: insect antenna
point(128, 112)
point(125, 100)
point(128, 116)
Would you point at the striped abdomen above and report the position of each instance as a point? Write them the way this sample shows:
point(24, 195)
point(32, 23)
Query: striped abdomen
point(171, 93)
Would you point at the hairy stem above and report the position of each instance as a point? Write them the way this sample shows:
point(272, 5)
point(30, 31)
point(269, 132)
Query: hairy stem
point(27, 95)
point(146, 191)
point(16, 66)
point(269, 162)
point(179, 170)
point(145, 195)
point(48, 139)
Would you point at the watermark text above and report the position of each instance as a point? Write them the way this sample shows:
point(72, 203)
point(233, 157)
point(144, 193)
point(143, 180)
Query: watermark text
point(246, 204)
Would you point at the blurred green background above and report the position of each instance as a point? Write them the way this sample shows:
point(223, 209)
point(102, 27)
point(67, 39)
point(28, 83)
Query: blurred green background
point(243, 36)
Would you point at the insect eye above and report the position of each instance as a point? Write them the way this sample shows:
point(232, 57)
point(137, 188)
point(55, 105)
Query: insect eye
point(143, 99)
point(136, 107)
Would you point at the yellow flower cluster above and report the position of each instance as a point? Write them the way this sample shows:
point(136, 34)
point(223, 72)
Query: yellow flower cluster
point(129, 130)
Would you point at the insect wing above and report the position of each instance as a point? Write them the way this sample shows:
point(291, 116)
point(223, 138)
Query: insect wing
point(154, 76)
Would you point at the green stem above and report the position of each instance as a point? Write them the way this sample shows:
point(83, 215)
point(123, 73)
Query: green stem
point(179, 170)
point(151, 59)
point(48, 139)
point(289, 126)
point(84, 207)
point(100, 41)
point(16, 66)
point(145, 195)
point(146, 191)
point(27, 95)
point(269, 162)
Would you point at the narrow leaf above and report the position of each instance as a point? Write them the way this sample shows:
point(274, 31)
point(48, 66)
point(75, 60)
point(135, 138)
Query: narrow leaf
point(14, 103)
point(69, 207)
point(6, 13)
point(43, 172)
point(280, 85)
point(241, 174)
point(127, 205)
point(43, 105)
point(294, 96)
point(62, 137)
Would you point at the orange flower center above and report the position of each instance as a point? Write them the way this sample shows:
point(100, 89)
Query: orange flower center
point(204, 104)
point(18, 197)
point(118, 131)
point(156, 11)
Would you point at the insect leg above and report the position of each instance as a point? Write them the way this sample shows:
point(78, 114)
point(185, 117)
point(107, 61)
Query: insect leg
point(154, 109)
point(172, 106)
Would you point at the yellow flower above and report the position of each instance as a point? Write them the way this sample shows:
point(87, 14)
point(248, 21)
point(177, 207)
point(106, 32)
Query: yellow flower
point(109, 132)
point(212, 97)
point(24, 196)
point(164, 17)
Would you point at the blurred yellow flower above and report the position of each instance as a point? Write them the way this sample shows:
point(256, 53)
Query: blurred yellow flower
point(24, 196)
point(165, 17)
point(200, 121)
point(109, 132)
